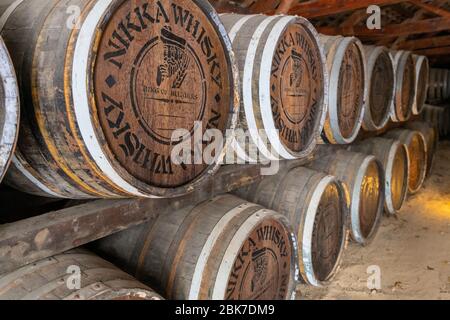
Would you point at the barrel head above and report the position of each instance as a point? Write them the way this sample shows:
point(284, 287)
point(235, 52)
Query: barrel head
point(262, 269)
point(297, 87)
point(162, 77)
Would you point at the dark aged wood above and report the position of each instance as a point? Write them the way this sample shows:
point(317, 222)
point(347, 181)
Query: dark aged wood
point(393, 155)
point(439, 85)
point(90, 138)
point(362, 175)
point(422, 68)
point(48, 279)
point(345, 63)
point(224, 248)
point(438, 116)
point(41, 237)
point(315, 204)
point(380, 87)
point(9, 109)
point(288, 85)
point(417, 149)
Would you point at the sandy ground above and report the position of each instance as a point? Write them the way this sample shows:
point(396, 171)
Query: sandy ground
point(411, 250)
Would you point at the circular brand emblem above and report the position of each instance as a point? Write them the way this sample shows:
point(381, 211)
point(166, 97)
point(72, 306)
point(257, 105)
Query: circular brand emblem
point(161, 80)
point(296, 87)
point(262, 269)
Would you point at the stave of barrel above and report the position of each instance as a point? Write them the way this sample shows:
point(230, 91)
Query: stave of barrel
point(315, 204)
point(283, 85)
point(363, 177)
point(55, 279)
point(394, 157)
point(379, 94)
point(431, 135)
point(222, 249)
point(107, 105)
point(347, 85)
point(439, 116)
point(417, 150)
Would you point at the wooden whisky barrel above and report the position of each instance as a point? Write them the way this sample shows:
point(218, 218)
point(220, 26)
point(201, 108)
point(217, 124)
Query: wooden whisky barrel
point(222, 249)
point(283, 83)
point(439, 85)
point(417, 150)
point(9, 109)
point(432, 85)
point(346, 69)
point(431, 134)
point(393, 155)
point(108, 101)
point(405, 86)
point(363, 177)
point(54, 278)
point(315, 205)
point(379, 95)
point(422, 68)
point(438, 116)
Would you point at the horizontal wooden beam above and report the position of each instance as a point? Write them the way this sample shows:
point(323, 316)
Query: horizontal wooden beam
point(33, 239)
point(322, 8)
point(425, 43)
point(393, 30)
point(442, 51)
point(431, 8)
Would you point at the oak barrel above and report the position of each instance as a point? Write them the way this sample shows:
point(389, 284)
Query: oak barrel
point(315, 204)
point(283, 84)
point(57, 278)
point(9, 109)
point(393, 155)
point(225, 248)
point(379, 95)
point(439, 85)
point(363, 177)
point(431, 134)
point(109, 97)
point(347, 85)
point(422, 68)
point(417, 150)
point(405, 85)
point(438, 116)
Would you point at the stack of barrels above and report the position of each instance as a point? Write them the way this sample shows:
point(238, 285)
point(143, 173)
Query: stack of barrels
point(115, 110)
point(439, 88)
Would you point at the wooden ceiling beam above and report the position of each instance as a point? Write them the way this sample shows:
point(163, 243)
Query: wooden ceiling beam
point(425, 43)
point(431, 8)
point(322, 8)
point(394, 30)
point(442, 51)
point(285, 6)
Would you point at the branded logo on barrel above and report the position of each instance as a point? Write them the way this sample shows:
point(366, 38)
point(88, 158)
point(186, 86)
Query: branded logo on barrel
point(262, 269)
point(161, 67)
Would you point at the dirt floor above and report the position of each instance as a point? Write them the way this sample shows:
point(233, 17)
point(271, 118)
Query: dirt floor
point(411, 250)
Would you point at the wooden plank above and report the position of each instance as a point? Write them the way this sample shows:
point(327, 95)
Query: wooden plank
point(395, 30)
point(431, 8)
point(40, 237)
point(285, 6)
point(264, 6)
point(442, 51)
point(433, 42)
point(322, 8)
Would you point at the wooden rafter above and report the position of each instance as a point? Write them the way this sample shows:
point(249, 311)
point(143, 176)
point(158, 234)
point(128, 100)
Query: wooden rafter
point(442, 51)
point(431, 8)
point(322, 8)
point(394, 30)
point(425, 43)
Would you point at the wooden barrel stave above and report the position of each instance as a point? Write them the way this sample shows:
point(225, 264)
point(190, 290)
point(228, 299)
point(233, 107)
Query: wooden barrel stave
point(393, 155)
point(315, 205)
point(416, 144)
point(405, 86)
point(78, 149)
point(346, 89)
point(422, 68)
point(174, 252)
point(380, 91)
point(261, 43)
point(363, 177)
point(48, 279)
